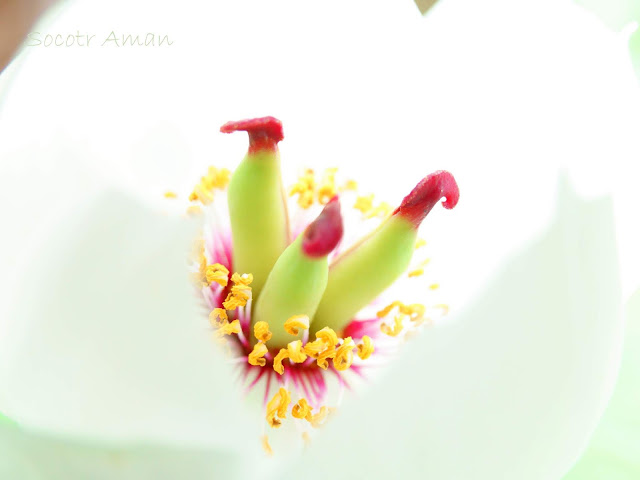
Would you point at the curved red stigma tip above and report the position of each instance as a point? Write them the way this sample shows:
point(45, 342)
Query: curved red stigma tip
point(417, 205)
point(264, 132)
point(325, 232)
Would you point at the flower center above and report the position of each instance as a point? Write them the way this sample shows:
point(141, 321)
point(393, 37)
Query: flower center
point(298, 313)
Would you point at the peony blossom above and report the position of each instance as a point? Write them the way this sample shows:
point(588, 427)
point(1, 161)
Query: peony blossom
point(108, 371)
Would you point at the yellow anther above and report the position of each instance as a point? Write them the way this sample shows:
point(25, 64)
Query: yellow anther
point(215, 178)
point(326, 354)
point(318, 418)
point(313, 349)
point(194, 210)
point(421, 242)
point(364, 203)
point(218, 177)
point(217, 273)
point(415, 310)
point(416, 273)
point(265, 445)
point(296, 322)
point(306, 438)
point(244, 279)
point(277, 362)
point(386, 310)
point(365, 349)
point(296, 355)
point(261, 331)
point(259, 351)
point(218, 317)
point(229, 328)
point(170, 194)
point(305, 189)
point(383, 210)
point(434, 286)
point(350, 185)
point(327, 189)
point(395, 330)
point(344, 355)
point(278, 406)
point(240, 292)
point(328, 336)
point(302, 409)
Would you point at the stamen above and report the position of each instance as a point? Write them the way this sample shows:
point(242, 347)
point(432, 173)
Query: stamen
point(217, 273)
point(215, 178)
point(278, 406)
point(277, 361)
point(295, 323)
point(322, 358)
point(328, 336)
point(296, 355)
point(261, 331)
point(327, 189)
point(365, 349)
point(228, 329)
point(302, 410)
point(364, 203)
point(395, 330)
point(318, 419)
point(218, 317)
point(344, 355)
point(265, 445)
point(240, 293)
point(305, 189)
point(170, 194)
point(255, 357)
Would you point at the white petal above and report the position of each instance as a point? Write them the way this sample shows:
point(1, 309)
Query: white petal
point(614, 451)
point(510, 389)
point(29, 456)
point(103, 339)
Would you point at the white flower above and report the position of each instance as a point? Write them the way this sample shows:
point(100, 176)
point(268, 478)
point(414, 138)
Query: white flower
point(105, 367)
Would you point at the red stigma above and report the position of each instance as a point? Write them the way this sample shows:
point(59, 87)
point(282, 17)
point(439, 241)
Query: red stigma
point(264, 132)
point(417, 205)
point(325, 232)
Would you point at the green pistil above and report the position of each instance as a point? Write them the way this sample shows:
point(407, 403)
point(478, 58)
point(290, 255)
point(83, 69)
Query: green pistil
point(359, 275)
point(259, 219)
point(299, 277)
point(294, 287)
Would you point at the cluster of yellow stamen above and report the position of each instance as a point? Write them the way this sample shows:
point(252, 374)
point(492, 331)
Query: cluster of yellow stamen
point(327, 346)
point(365, 205)
point(240, 292)
point(308, 190)
point(238, 296)
point(279, 405)
point(215, 178)
point(415, 312)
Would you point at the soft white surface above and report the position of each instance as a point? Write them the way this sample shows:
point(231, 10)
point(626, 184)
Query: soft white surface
point(103, 339)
